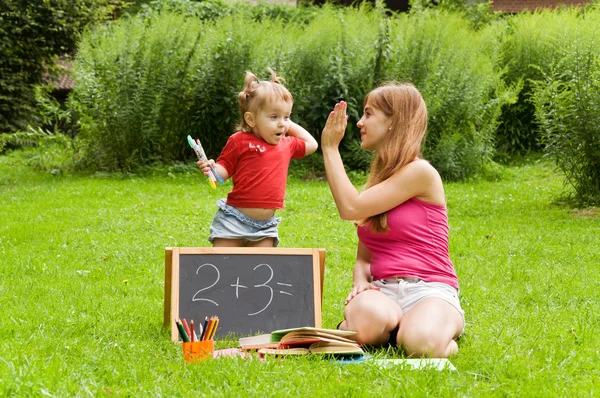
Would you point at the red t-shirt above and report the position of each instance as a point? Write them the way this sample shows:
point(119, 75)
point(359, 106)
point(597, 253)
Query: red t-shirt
point(258, 169)
point(416, 244)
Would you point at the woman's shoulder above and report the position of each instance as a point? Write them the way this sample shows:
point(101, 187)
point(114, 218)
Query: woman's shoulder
point(429, 183)
point(423, 168)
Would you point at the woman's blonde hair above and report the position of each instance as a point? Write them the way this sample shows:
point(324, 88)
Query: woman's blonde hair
point(257, 93)
point(404, 105)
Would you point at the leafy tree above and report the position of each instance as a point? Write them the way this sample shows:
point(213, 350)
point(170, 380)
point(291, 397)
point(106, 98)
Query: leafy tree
point(32, 33)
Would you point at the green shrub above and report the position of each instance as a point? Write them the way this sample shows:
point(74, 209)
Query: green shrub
point(42, 149)
point(454, 68)
point(137, 105)
point(134, 91)
point(210, 10)
point(228, 49)
point(567, 103)
point(532, 42)
point(205, 10)
point(145, 83)
point(477, 12)
point(333, 59)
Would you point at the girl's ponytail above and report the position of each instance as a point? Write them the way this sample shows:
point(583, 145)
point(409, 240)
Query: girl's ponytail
point(257, 92)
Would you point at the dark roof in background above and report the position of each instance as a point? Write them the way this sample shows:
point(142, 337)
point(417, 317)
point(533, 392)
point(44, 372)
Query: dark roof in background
point(61, 79)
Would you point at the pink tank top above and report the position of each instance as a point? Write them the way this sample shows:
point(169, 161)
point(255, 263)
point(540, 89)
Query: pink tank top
point(416, 244)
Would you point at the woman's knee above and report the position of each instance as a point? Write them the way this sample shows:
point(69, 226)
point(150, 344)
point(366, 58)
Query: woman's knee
point(373, 323)
point(426, 342)
point(365, 309)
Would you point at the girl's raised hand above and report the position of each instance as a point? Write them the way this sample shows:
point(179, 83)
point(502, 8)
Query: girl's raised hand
point(334, 129)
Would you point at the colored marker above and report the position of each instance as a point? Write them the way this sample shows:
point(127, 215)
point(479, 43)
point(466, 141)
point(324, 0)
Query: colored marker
point(219, 178)
point(213, 176)
point(200, 331)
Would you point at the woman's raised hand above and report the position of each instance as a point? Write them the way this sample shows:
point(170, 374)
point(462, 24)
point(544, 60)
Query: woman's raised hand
point(334, 129)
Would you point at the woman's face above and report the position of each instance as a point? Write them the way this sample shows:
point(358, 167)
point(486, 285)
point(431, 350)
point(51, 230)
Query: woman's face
point(373, 125)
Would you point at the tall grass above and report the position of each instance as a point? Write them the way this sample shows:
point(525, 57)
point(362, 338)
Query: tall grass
point(330, 60)
point(567, 101)
point(532, 44)
point(455, 69)
point(133, 91)
point(145, 83)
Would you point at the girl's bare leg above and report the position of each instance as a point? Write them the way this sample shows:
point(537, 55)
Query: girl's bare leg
point(220, 242)
point(266, 242)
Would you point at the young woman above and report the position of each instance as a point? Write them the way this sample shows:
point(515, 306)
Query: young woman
point(257, 159)
point(405, 289)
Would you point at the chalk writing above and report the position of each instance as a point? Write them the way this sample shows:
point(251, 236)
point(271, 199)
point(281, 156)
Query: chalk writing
point(217, 276)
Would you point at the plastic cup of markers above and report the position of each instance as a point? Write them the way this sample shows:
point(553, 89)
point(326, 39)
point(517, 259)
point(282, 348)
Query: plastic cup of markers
point(198, 350)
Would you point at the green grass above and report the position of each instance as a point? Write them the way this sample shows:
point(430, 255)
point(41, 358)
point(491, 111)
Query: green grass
point(82, 279)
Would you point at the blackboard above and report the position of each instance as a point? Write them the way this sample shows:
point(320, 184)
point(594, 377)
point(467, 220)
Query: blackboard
point(251, 290)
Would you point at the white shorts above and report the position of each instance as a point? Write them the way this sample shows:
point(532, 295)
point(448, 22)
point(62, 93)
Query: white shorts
point(408, 292)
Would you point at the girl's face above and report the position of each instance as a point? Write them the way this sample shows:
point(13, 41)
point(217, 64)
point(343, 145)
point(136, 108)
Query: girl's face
point(271, 122)
point(373, 125)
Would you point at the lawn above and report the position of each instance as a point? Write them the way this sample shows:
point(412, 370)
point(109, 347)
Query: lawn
point(82, 279)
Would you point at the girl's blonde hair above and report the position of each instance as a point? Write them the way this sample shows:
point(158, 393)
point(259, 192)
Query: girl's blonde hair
point(257, 93)
point(404, 105)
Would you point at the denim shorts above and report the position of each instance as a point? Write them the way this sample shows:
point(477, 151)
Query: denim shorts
point(230, 223)
point(408, 292)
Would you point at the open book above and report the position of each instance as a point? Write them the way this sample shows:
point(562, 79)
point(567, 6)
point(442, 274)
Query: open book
point(303, 340)
point(316, 348)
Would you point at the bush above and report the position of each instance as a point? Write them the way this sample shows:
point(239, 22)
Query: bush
point(145, 83)
point(210, 10)
point(333, 59)
point(42, 149)
point(454, 68)
point(138, 105)
point(567, 101)
point(204, 10)
point(531, 43)
point(477, 12)
point(134, 91)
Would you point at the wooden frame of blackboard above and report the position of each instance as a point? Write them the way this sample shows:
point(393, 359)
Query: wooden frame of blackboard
point(172, 263)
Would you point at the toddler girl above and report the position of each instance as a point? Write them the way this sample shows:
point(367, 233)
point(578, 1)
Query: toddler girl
point(257, 158)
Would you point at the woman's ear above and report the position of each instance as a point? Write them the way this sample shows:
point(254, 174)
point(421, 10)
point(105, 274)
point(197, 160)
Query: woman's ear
point(249, 119)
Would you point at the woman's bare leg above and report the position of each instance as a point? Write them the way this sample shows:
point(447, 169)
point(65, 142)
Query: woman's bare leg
point(429, 329)
point(373, 315)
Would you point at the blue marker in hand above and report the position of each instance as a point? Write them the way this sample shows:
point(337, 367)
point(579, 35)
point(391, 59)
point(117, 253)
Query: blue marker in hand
point(213, 176)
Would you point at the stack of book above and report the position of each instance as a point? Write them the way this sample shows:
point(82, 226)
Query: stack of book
point(304, 340)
